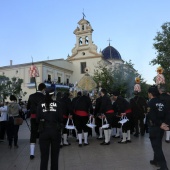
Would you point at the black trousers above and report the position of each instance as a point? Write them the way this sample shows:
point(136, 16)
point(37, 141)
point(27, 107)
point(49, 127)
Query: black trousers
point(34, 130)
point(3, 129)
point(80, 122)
point(109, 118)
point(98, 123)
point(49, 140)
point(156, 135)
point(12, 131)
point(139, 124)
point(65, 131)
point(127, 126)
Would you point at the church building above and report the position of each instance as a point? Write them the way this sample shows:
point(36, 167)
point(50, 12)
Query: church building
point(66, 72)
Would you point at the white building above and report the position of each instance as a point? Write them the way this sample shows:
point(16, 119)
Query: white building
point(84, 57)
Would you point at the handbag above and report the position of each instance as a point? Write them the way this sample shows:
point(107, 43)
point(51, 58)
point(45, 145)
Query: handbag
point(70, 126)
point(106, 125)
point(18, 121)
point(90, 123)
point(123, 120)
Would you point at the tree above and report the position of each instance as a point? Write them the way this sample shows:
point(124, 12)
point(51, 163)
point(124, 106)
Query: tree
point(10, 86)
point(162, 46)
point(120, 77)
point(104, 76)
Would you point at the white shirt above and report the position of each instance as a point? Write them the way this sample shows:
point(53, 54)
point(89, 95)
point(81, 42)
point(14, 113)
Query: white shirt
point(3, 111)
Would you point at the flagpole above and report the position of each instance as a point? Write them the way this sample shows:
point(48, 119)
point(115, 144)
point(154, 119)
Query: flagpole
point(35, 84)
point(35, 74)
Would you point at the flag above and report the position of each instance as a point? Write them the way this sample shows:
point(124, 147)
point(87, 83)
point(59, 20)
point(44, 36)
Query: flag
point(33, 71)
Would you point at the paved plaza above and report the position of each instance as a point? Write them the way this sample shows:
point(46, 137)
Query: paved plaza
point(132, 156)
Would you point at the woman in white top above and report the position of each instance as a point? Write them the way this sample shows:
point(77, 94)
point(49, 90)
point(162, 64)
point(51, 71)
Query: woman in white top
point(3, 121)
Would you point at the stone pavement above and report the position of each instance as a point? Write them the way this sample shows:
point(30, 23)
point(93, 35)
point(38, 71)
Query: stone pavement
point(132, 156)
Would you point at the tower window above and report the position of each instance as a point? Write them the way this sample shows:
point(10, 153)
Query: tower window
point(80, 41)
point(83, 53)
point(82, 67)
point(86, 40)
point(82, 27)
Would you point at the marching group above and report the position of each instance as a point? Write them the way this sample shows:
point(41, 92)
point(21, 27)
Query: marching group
point(49, 117)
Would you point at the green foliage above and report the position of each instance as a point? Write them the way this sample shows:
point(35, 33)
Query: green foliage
point(10, 86)
point(121, 78)
point(104, 76)
point(162, 46)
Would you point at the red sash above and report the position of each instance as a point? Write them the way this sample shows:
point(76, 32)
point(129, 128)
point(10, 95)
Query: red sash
point(33, 116)
point(81, 113)
point(110, 111)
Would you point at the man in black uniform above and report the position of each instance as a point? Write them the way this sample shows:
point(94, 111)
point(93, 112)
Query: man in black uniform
point(139, 108)
point(33, 101)
point(156, 119)
point(67, 114)
point(166, 99)
point(98, 121)
point(82, 108)
point(50, 119)
point(107, 110)
point(122, 108)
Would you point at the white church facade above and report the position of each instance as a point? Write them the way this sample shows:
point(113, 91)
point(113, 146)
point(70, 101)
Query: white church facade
point(64, 72)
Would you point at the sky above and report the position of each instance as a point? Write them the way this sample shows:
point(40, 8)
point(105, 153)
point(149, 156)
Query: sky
point(43, 29)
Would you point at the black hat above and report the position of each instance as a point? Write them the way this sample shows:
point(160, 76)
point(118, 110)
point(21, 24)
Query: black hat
point(153, 90)
point(116, 93)
point(50, 91)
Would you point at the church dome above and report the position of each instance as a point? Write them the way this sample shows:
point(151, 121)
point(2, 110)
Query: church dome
point(111, 53)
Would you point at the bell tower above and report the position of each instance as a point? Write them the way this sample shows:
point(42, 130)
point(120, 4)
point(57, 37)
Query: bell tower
point(84, 43)
point(84, 54)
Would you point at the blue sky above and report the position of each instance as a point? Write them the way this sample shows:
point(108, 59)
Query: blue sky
point(44, 28)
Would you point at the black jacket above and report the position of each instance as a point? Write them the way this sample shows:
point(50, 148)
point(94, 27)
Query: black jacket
point(121, 105)
point(138, 106)
point(166, 99)
point(106, 104)
point(66, 106)
point(97, 105)
point(34, 100)
point(51, 116)
point(156, 112)
point(82, 103)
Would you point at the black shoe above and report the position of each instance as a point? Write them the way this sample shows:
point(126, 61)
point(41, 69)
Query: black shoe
point(136, 135)
point(128, 141)
point(32, 157)
point(100, 138)
point(167, 141)
point(105, 143)
point(122, 142)
point(85, 144)
point(152, 162)
point(116, 137)
point(80, 145)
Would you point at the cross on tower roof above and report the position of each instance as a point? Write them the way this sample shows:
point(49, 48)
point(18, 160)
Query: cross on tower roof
point(83, 14)
point(109, 41)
